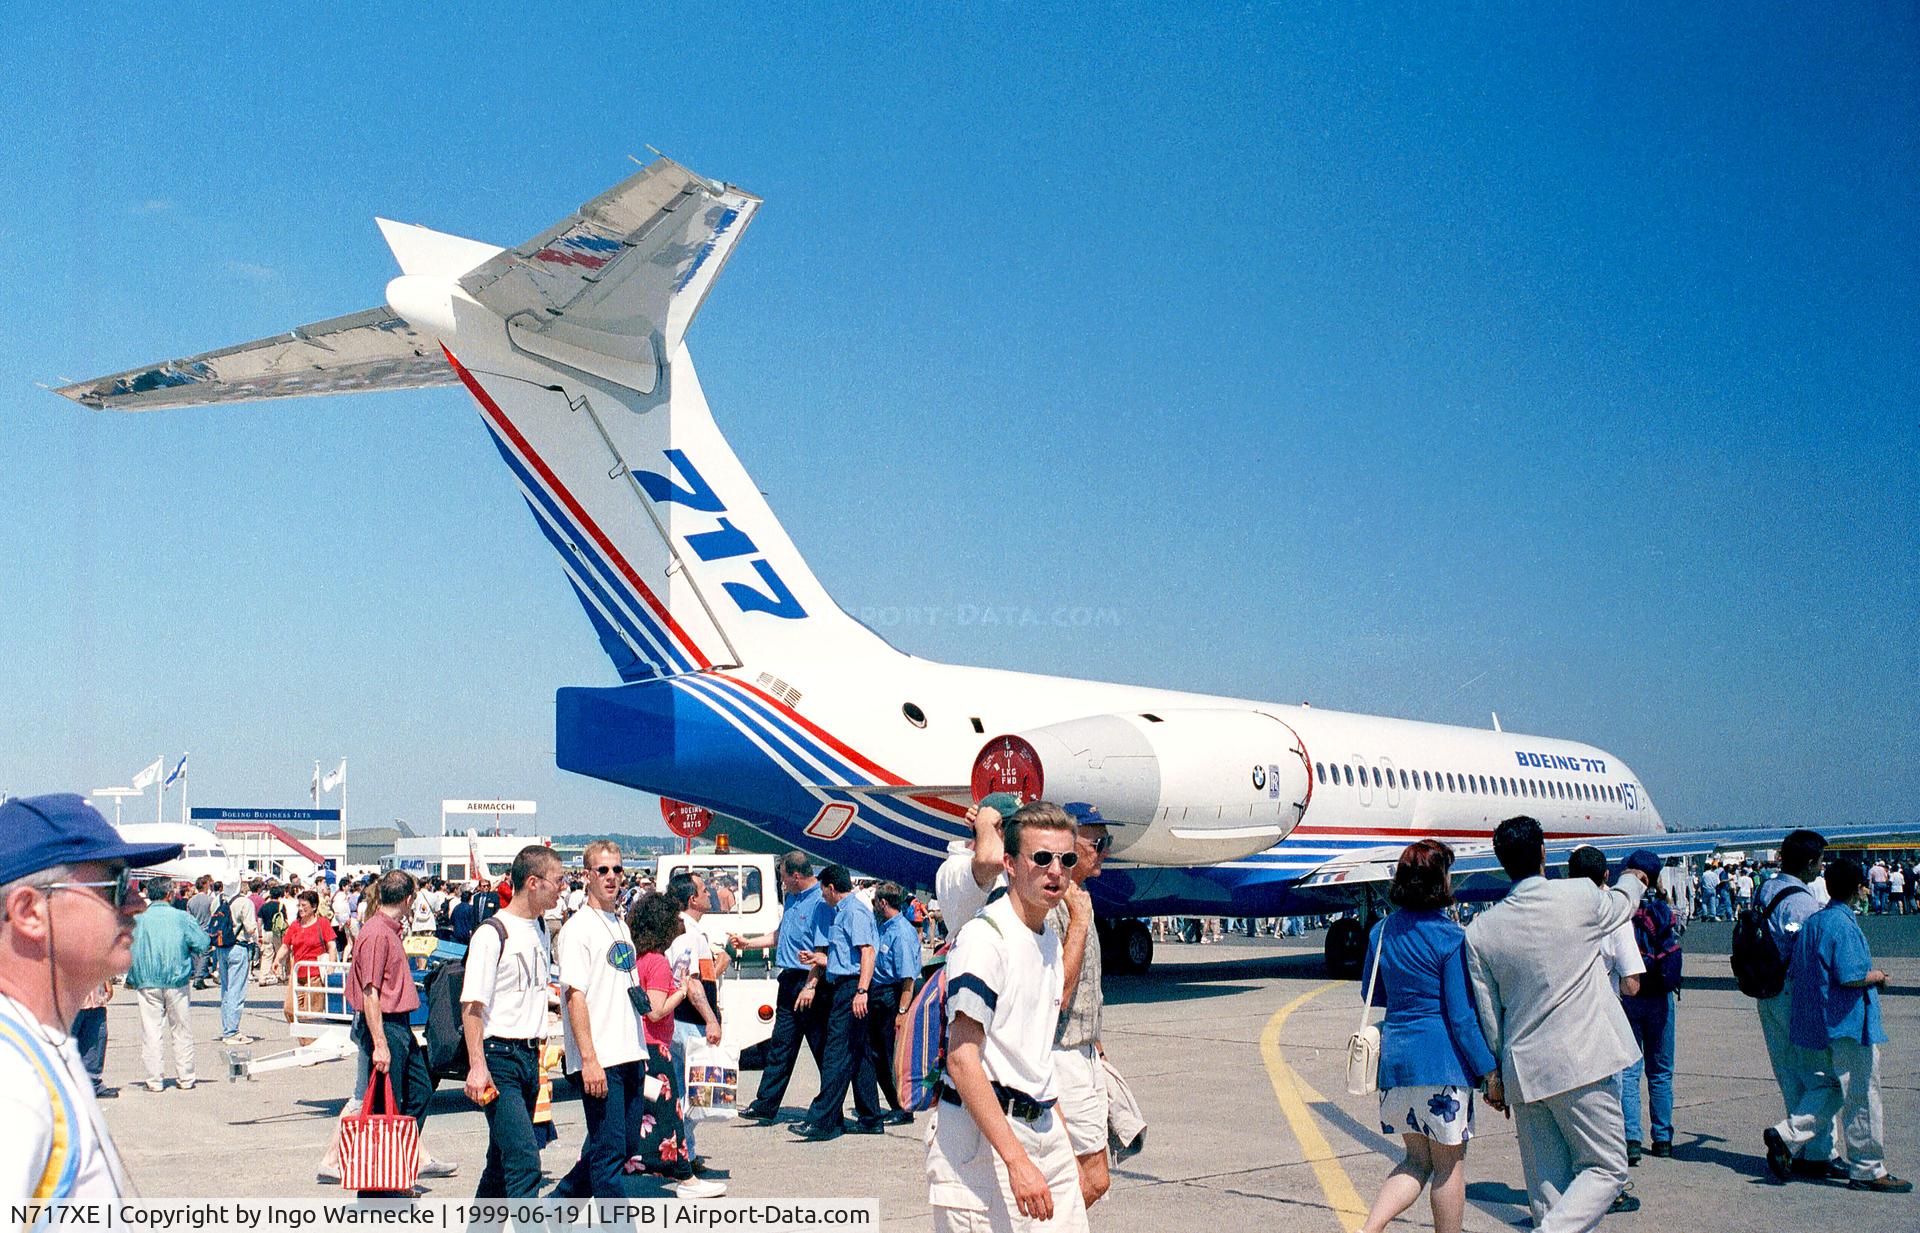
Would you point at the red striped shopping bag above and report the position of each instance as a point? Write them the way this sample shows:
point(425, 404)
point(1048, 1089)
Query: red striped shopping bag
point(379, 1148)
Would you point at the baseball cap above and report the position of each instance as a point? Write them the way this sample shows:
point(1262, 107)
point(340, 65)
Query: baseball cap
point(39, 832)
point(1006, 804)
point(1084, 814)
point(1645, 861)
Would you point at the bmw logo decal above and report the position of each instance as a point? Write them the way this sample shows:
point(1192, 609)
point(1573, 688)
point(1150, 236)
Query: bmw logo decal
point(1259, 778)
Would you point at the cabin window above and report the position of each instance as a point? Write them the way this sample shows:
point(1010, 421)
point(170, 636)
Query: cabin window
point(1376, 778)
point(1320, 772)
point(1406, 780)
point(1349, 771)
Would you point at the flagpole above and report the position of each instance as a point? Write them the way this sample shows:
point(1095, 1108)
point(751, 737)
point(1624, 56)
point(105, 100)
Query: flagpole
point(160, 800)
point(316, 800)
point(343, 808)
point(183, 790)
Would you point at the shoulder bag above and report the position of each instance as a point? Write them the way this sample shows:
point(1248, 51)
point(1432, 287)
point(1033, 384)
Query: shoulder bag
point(1363, 1047)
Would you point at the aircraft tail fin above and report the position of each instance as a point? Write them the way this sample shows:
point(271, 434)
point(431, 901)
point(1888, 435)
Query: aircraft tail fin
point(573, 345)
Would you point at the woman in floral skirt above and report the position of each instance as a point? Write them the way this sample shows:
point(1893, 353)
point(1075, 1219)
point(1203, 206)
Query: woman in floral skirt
point(1432, 1051)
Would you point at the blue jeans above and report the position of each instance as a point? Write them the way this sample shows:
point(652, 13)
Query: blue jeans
point(513, 1153)
point(613, 1134)
point(236, 965)
point(1652, 1023)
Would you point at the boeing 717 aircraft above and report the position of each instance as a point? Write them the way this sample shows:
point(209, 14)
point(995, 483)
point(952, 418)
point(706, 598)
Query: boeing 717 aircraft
point(744, 688)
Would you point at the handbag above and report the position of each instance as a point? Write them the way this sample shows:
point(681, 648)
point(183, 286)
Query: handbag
point(379, 1150)
point(712, 1083)
point(1363, 1047)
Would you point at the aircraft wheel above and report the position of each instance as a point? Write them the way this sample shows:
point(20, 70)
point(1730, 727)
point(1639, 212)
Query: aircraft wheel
point(1346, 949)
point(1129, 943)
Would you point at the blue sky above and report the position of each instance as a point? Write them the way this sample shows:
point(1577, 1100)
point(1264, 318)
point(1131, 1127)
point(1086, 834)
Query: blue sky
point(1425, 364)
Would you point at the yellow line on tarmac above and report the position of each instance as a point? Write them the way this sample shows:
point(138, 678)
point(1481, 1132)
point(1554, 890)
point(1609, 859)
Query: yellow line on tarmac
point(1292, 1092)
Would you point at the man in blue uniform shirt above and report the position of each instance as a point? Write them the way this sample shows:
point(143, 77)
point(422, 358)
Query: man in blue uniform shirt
point(1836, 1011)
point(894, 972)
point(848, 964)
point(798, 1014)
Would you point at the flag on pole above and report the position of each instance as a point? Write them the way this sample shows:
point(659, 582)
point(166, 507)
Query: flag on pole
point(316, 783)
point(335, 777)
point(147, 778)
point(179, 771)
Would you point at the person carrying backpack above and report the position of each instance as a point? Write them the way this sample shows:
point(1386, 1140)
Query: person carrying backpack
point(234, 930)
point(1650, 1011)
point(1763, 944)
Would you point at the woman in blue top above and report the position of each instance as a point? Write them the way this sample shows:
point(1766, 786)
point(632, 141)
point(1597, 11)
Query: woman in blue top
point(1432, 1052)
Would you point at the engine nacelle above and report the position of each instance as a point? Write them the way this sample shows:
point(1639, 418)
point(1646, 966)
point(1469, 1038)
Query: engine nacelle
point(1192, 787)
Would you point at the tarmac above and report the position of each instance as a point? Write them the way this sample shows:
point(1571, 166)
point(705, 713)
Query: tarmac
point(1236, 1052)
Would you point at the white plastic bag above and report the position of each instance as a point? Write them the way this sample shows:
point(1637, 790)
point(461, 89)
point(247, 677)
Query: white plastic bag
point(712, 1083)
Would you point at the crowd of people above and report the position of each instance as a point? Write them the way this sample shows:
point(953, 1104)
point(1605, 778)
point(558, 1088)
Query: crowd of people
point(1552, 1007)
point(1720, 891)
point(1558, 1001)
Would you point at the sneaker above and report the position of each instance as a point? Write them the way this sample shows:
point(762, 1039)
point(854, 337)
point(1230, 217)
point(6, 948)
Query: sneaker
point(326, 1176)
point(187, 1085)
point(238, 1038)
point(1623, 1202)
point(159, 1087)
point(1662, 1148)
point(438, 1168)
point(1633, 1153)
point(1822, 1170)
point(697, 1188)
point(1886, 1183)
point(105, 1093)
point(1779, 1155)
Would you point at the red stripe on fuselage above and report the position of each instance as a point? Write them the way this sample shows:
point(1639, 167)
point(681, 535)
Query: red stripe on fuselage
point(841, 747)
point(1425, 832)
point(505, 425)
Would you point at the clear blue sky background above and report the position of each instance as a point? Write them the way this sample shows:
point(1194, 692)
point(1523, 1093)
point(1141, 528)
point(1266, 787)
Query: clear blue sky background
point(1405, 362)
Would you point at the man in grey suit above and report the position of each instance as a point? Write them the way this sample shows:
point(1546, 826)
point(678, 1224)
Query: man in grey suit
point(1550, 1015)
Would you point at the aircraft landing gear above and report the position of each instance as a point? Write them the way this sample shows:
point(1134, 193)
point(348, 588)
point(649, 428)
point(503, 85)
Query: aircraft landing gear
point(1346, 949)
point(1347, 942)
point(1125, 945)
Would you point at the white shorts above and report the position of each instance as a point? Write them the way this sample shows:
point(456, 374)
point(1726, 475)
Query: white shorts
point(1083, 1098)
point(967, 1180)
point(1443, 1114)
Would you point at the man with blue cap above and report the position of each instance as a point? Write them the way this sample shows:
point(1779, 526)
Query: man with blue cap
point(67, 905)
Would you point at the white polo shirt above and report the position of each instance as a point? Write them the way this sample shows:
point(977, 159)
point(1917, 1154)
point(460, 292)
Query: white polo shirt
point(1008, 978)
point(58, 1135)
point(583, 951)
point(513, 988)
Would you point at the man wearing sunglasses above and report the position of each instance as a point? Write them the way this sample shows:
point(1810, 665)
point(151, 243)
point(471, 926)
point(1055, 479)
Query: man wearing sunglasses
point(1076, 1042)
point(1004, 982)
point(67, 909)
point(601, 1020)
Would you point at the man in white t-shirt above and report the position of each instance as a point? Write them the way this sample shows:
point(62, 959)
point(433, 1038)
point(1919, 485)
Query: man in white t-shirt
point(972, 870)
point(998, 1156)
point(697, 966)
point(1625, 967)
point(503, 1011)
point(604, 1046)
point(67, 908)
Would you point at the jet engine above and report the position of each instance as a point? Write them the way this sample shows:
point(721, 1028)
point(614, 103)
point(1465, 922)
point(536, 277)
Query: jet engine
point(1190, 787)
